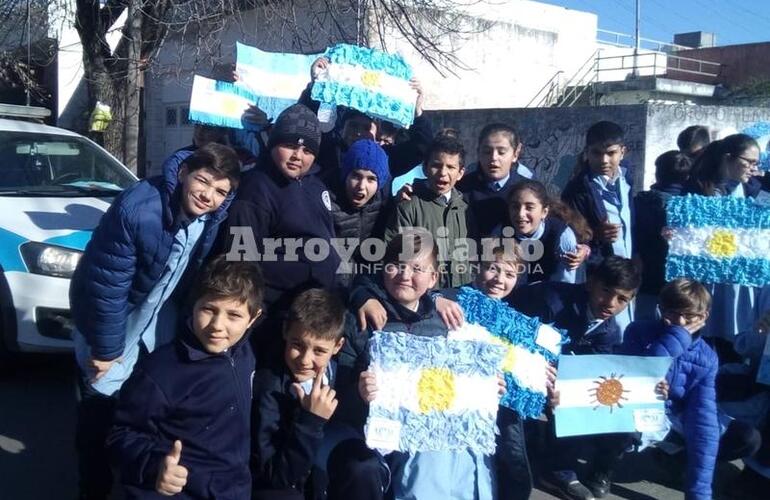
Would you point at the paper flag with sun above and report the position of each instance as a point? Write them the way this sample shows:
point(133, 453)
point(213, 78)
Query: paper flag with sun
point(434, 394)
point(530, 346)
point(606, 393)
point(719, 239)
point(369, 80)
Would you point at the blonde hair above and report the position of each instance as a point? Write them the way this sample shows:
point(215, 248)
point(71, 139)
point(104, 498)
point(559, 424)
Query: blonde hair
point(685, 295)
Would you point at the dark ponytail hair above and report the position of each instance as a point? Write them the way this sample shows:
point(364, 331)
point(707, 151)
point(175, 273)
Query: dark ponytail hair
point(710, 171)
point(556, 208)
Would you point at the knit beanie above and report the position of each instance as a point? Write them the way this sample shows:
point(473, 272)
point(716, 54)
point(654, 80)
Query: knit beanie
point(296, 125)
point(365, 154)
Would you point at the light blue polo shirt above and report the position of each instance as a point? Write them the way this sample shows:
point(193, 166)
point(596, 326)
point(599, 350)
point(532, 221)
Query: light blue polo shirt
point(153, 322)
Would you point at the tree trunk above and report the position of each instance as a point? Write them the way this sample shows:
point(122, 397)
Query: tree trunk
point(133, 81)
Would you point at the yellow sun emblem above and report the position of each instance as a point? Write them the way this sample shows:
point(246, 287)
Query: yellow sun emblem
point(722, 244)
point(608, 392)
point(370, 79)
point(435, 390)
point(229, 106)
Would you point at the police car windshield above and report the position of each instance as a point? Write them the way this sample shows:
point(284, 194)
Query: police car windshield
point(57, 165)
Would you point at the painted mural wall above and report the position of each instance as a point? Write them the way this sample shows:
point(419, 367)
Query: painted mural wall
point(554, 137)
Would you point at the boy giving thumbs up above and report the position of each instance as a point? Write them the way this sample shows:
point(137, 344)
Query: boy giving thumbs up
point(172, 476)
point(181, 426)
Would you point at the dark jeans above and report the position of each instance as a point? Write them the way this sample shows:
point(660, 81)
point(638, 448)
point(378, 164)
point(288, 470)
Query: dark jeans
point(602, 452)
point(355, 471)
point(95, 413)
point(740, 440)
point(514, 478)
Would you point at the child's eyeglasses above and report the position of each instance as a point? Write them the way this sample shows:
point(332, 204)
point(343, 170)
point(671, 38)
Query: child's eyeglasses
point(751, 162)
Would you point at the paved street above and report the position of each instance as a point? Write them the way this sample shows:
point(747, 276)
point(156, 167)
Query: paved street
point(37, 458)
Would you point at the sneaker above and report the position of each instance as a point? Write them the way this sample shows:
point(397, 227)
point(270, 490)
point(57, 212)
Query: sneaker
point(570, 489)
point(599, 484)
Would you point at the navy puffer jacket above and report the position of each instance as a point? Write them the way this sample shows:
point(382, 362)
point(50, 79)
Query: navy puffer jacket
point(127, 255)
point(692, 395)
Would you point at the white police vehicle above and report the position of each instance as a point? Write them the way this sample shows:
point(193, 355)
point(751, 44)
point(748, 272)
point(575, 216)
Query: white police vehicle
point(55, 185)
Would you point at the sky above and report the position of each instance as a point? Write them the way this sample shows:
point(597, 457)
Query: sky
point(733, 21)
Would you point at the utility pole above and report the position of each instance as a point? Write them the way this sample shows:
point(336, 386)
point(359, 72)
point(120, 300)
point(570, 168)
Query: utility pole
point(636, 39)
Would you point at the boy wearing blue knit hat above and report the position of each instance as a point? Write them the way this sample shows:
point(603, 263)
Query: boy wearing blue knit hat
point(359, 202)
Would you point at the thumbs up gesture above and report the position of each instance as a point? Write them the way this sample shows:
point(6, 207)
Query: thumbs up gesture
point(172, 477)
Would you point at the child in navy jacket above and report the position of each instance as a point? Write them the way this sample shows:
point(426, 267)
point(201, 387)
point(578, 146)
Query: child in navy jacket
point(685, 304)
point(294, 399)
point(182, 421)
point(588, 313)
point(281, 203)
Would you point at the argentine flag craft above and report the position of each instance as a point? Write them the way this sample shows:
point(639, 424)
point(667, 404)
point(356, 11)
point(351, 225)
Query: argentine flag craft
point(434, 394)
point(530, 346)
point(719, 239)
point(368, 80)
point(272, 80)
point(601, 394)
point(216, 103)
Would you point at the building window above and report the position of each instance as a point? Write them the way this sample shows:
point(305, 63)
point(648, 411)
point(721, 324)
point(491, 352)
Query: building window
point(171, 117)
point(184, 115)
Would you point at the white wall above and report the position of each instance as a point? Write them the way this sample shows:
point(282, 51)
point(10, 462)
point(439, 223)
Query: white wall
point(509, 61)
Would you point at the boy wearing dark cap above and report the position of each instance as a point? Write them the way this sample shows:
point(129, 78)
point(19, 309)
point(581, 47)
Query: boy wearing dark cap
point(359, 200)
point(283, 205)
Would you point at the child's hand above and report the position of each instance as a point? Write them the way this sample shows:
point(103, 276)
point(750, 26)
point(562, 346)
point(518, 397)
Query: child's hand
point(99, 368)
point(554, 398)
point(550, 385)
point(372, 315)
point(550, 376)
point(573, 260)
point(609, 232)
point(367, 386)
point(322, 399)
point(417, 86)
point(667, 233)
point(502, 387)
point(172, 477)
point(318, 65)
point(256, 116)
point(451, 313)
point(405, 193)
point(662, 389)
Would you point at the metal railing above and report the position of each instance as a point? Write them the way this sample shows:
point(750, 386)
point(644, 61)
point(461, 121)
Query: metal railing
point(556, 93)
point(581, 82)
point(669, 63)
point(548, 93)
point(614, 38)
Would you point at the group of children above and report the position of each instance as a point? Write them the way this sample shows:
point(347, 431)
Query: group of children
point(222, 332)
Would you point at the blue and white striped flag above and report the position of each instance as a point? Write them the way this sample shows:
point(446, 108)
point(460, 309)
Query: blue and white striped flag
point(272, 80)
point(719, 239)
point(602, 394)
point(217, 103)
point(434, 394)
point(368, 80)
point(530, 347)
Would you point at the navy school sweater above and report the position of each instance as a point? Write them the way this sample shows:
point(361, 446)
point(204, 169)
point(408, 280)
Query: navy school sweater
point(273, 206)
point(181, 392)
point(565, 306)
